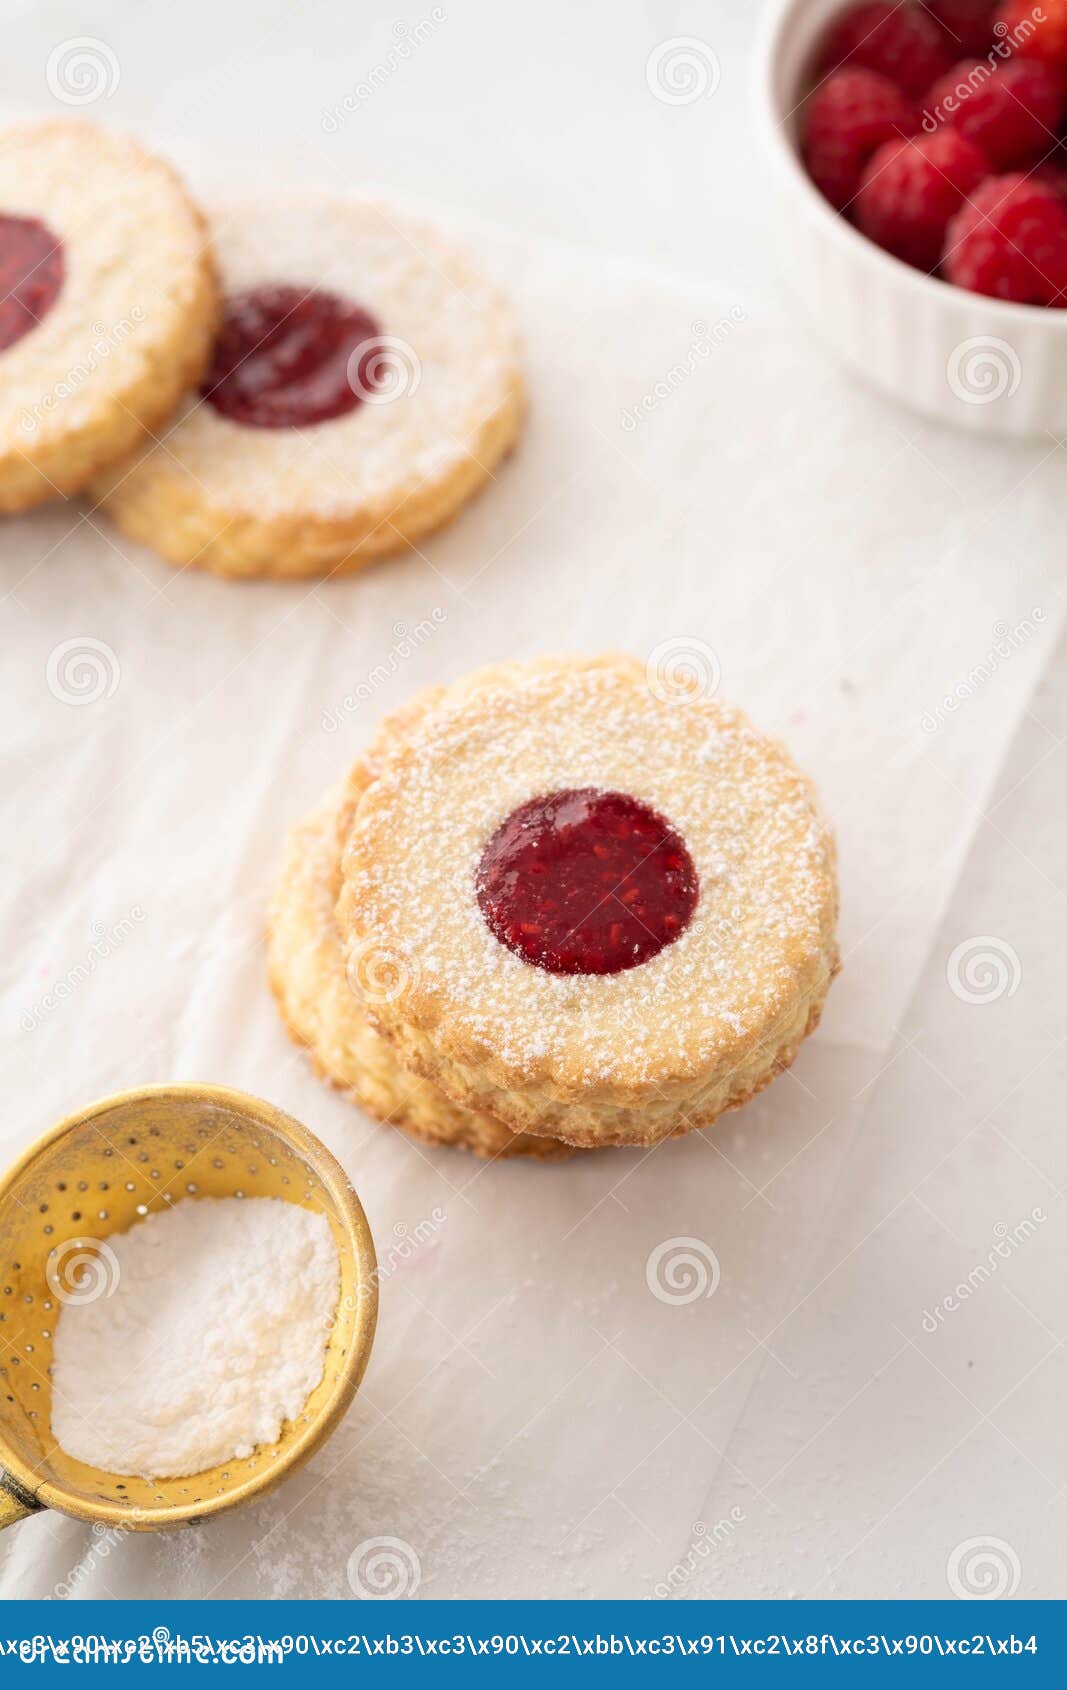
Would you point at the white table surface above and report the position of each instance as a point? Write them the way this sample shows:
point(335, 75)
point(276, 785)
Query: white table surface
point(535, 1421)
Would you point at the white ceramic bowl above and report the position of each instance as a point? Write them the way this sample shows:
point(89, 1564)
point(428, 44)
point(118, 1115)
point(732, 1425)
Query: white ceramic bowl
point(959, 357)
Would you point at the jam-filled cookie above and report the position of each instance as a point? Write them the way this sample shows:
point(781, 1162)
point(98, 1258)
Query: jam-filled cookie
point(365, 383)
point(609, 904)
point(324, 1005)
point(108, 304)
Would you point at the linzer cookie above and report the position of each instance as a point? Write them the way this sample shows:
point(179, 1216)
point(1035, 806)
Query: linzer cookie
point(365, 383)
point(578, 901)
point(327, 1006)
point(108, 304)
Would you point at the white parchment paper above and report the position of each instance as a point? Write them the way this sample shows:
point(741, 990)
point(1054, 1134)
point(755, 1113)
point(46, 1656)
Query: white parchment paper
point(535, 1421)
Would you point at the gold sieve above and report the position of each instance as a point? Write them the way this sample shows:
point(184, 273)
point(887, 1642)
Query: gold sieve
point(99, 1172)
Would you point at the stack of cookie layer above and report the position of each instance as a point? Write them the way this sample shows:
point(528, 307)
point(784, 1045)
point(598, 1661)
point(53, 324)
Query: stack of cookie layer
point(414, 992)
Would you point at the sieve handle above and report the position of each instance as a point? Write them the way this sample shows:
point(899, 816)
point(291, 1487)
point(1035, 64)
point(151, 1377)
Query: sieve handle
point(15, 1503)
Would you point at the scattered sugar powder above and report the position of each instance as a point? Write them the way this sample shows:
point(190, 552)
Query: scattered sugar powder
point(209, 1332)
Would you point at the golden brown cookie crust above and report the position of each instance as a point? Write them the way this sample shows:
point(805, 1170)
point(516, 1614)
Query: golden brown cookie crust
point(330, 498)
point(625, 1059)
point(323, 1013)
point(133, 326)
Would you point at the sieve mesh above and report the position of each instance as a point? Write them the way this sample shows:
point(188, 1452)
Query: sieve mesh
point(99, 1173)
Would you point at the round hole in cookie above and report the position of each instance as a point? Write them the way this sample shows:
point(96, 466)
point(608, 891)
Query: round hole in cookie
point(31, 275)
point(288, 357)
point(584, 881)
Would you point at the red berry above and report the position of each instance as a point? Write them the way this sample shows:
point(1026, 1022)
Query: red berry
point(912, 187)
point(1035, 32)
point(899, 41)
point(1012, 112)
point(1053, 176)
point(846, 120)
point(967, 25)
point(1010, 240)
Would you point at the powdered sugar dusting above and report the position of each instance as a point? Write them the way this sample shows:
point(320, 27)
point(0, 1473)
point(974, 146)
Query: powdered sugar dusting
point(453, 332)
point(762, 925)
point(133, 257)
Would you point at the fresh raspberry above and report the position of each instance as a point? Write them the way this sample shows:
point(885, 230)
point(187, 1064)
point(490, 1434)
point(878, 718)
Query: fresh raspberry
point(967, 25)
point(899, 41)
point(1033, 37)
point(1010, 240)
point(846, 120)
point(912, 187)
point(1012, 112)
point(1053, 176)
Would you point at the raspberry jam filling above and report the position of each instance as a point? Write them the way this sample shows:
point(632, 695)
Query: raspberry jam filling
point(287, 357)
point(31, 275)
point(586, 882)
